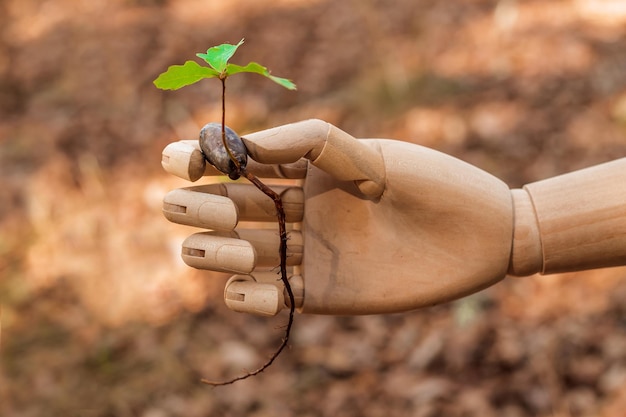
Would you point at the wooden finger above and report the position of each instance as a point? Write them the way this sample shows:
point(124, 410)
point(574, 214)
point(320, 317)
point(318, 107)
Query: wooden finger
point(327, 147)
point(239, 252)
point(217, 252)
point(252, 205)
point(261, 293)
point(199, 209)
point(185, 160)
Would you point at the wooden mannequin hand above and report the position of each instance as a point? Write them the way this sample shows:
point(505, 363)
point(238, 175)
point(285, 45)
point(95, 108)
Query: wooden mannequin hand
point(379, 225)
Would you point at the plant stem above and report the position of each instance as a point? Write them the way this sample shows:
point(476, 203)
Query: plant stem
point(230, 153)
point(282, 250)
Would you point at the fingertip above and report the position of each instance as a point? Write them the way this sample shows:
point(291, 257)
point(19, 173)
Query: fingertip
point(248, 296)
point(192, 208)
point(183, 160)
point(218, 253)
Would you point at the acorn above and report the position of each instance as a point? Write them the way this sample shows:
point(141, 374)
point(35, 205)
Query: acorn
point(215, 153)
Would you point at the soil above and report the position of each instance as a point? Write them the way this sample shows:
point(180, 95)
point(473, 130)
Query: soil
point(100, 317)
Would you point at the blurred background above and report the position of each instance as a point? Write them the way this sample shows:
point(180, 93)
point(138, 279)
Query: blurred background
point(101, 318)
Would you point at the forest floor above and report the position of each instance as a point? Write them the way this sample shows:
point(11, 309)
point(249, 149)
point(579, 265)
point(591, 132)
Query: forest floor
point(99, 315)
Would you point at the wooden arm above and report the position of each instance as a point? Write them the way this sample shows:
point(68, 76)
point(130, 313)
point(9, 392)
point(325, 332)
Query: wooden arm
point(571, 222)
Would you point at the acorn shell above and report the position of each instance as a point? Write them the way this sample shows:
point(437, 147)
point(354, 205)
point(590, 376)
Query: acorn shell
point(215, 153)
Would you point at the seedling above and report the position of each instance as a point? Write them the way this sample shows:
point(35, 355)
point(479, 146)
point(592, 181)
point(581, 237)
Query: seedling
point(227, 153)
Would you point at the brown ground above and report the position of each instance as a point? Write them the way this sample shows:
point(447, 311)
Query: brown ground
point(101, 318)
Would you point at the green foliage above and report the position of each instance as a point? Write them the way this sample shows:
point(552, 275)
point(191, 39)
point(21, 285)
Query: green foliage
point(217, 57)
point(259, 69)
point(178, 76)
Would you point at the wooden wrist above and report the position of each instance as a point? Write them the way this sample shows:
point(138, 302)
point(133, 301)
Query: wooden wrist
point(579, 221)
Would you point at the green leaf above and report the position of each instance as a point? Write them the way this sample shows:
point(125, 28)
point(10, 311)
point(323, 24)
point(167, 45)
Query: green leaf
point(217, 57)
point(178, 76)
point(257, 68)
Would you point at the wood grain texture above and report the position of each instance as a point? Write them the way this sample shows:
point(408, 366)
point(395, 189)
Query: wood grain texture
point(581, 217)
